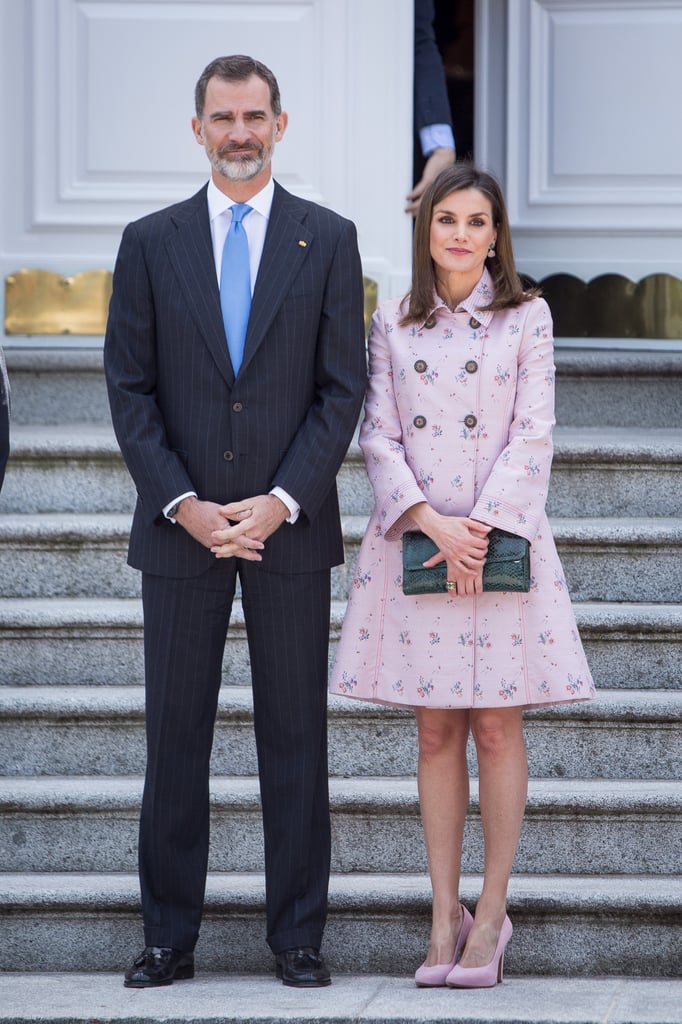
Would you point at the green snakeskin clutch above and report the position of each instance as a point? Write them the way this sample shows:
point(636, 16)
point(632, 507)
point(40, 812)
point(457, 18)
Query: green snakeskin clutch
point(507, 564)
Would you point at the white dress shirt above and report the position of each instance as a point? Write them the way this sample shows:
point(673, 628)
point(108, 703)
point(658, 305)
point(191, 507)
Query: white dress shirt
point(255, 224)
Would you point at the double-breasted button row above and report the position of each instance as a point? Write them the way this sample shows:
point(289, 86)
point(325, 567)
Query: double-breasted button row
point(421, 366)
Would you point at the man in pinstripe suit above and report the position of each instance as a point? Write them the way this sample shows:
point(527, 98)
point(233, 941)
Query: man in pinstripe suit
point(235, 475)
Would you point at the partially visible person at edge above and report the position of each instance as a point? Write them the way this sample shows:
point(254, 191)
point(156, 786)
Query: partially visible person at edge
point(4, 417)
point(432, 116)
point(233, 433)
point(457, 438)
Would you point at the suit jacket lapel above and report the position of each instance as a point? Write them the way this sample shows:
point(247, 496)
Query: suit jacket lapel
point(190, 251)
point(287, 244)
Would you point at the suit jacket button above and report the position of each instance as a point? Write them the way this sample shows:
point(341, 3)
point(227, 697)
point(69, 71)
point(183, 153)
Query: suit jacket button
point(228, 456)
point(473, 322)
point(419, 422)
point(237, 407)
point(430, 323)
point(470, 421)
point(420, 366)
point(471, 366)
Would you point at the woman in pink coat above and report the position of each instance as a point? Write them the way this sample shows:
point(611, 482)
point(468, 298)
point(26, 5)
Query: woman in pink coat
point(457, 439)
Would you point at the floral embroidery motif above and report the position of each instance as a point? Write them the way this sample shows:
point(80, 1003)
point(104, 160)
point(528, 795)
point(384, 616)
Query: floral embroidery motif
point(363, 633)
point(434, 638)
point(348, 683)
point(574, 686)
point(425, 688)
point(507, 690)
point(361, 579)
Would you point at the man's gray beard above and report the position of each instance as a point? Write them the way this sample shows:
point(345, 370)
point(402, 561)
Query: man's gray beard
point(239, 170)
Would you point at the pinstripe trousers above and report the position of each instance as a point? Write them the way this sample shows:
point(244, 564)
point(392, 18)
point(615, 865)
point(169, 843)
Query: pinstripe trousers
point(185, 625)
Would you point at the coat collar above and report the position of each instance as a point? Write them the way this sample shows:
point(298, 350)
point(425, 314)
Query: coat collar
point(482, 295)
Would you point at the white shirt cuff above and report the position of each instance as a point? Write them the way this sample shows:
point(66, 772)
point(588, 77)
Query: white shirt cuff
point(175, 501)
point(436, 136)
point(293, 506)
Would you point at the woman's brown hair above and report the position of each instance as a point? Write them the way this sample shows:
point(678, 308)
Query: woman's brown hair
point(509, 290)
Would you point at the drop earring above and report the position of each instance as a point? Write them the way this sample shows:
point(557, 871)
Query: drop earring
point(491, 251)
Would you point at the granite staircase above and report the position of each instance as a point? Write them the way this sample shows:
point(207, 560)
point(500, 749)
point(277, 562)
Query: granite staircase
point(596, 893)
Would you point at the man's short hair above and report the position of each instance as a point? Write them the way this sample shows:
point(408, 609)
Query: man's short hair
point(236, 68)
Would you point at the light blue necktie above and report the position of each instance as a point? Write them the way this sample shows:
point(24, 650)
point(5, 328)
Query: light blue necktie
point(235, 285)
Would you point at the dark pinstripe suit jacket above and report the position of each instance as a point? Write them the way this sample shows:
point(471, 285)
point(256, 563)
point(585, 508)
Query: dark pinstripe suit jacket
point(182, 419)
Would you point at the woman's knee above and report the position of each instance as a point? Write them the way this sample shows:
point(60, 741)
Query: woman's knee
point(497, 732)
point(441, 731)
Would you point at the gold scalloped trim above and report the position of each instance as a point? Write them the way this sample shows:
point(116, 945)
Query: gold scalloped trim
point(613, 306)
point(44, 302)
point(609, 306)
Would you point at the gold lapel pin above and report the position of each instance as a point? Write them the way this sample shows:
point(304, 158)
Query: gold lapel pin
point(302, 244)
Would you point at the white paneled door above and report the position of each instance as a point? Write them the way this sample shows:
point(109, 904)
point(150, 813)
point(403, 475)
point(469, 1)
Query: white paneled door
point(97, 99)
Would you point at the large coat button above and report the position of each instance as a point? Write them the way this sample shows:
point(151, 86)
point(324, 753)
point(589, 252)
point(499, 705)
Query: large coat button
point(473, 322)
point(471, 366)
point(228, 456)
point(420, 366)
point(470, 421)
point(237, 407)
point(419, 422)
point(430, 323)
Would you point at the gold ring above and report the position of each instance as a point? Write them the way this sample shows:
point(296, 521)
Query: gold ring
point(450, 585)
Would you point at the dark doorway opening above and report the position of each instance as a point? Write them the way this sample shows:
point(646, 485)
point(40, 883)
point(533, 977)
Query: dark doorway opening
point(454, 27)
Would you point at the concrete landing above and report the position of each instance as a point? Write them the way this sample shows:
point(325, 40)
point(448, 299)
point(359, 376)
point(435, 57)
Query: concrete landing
point(224, 999)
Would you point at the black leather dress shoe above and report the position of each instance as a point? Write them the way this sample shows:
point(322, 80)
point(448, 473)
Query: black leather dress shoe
point(158, 965)
point(302, 967)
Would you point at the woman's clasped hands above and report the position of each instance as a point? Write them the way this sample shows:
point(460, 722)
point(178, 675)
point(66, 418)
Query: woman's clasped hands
point(462, 544)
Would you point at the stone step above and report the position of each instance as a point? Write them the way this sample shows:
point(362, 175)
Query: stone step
point(53, 386)
point(596, 472)
point(83, 641)
point(617, 826)
point(563, 924)
point(618, 389)
point(66, 998)
point(594, 387)
point(66, 468)
point(84, 555)
point(100, 731)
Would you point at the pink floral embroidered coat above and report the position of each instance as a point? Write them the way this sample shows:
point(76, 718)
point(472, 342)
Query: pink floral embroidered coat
point(460, 411)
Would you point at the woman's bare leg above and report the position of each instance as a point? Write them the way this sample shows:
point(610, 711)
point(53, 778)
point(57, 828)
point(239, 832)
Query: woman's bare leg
point(443, 799)
point(503, 788)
